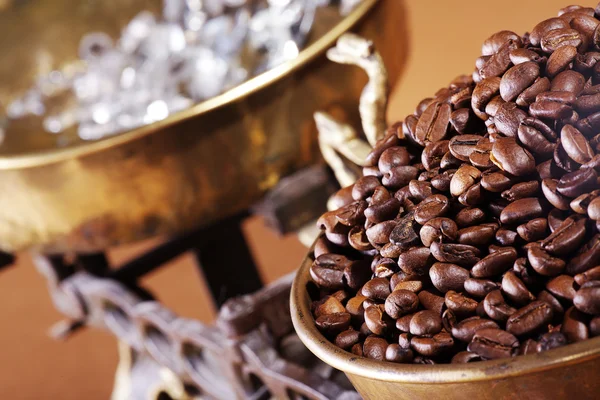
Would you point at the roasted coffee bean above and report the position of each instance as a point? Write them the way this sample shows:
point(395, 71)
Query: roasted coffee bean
point(578, 182)
point(593, 209)
point(521, 211)
point(543, 263)
point(472, 197)
point(432, 346)
point(463, 179)
point(357, 237)
point(511, 157)
point(541, 29)
point(479, 235)
point(404, 338)
point(347, 339)
point(588, 104)
point(376, 289)
point(416, 260)
point(404, 233)
point(557, 38)
point(586, 258)
point(515, 290)
point(551, 340)
point(446, 277)
point(328, 271)
point(390, 140)
point(377, 320)
point(385, 268)
point(390, 250)
point(496, 182)
point(568, 81)
point(364, 187)
point(332, 324)
point(517, 79)
point(393, 157)
point(425, 323)
point(567, 238)
point(381, 212)
point(506, 237)
point(533, 230)
point(460, 304)
point(412, 286)
point(574, 325)
point(587, 298)
point(433, 153)
point(493, 344)
point(595, 327)
point(495, 263)
point(466, 329)
point(531, 318)
point(381, 232)
point(461, 254)
point(433, 124)
point(535, 141)
point(496, 307)
point(482, 94)
point(357, 350)
point(465, 121)
point(527, 96)
point(450, 162)
point(508, 118)
point(554, 197)
point(557, 308)
point(480, 157)
point(479, 288)
point(438, 230)
point(462, 146)
point(397, 354)
point(545, 168)
point(401, 302)
point(432, 207)
point(355, 307)
point(581, 203)
point(589, 275)
point(521, 190)
point(331, 305)
point(560, 60)
point(375, 348)
point(465, 357)
point(493, 44)
point(431, 301)
point(492, 108)
point(469, 216)
point(399, 176)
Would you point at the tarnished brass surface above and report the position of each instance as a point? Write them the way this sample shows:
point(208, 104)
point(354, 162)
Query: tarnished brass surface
point(188, 170)
point(569, 372)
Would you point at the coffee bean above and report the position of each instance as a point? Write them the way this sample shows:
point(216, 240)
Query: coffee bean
point(446, 277)
point(495, 181)
point(463, 179)
point(416, 260)
point(390, 140)
point(480, 157)
point(557, 308)
point(433, 153)
point(560, 60)
point(463, 255)
point(377, 320)
point(521, 55)
point(328, 270)
point(586, 258)
point(551, 340)
point(383, 211)
point(469, 216)
point(593, 209)
point(385, 268)
point(464, 120)
point(431, 301)
point(460, 304)
point(357, 237)
point(425, 323)
point(375, 348)
point(556, 38)
point(347, 339)
point(482, 94)
point(521, 190)
point(581, 203)
point(493, 344)
point(587, 298)
point(496, 307)
point(515, 290)
point(521, 210)
point(578, 182)
point(550, 190)
point(567, 238)
point(432, 207)
point(438, 230)
point(412, 286)
point(332, 324)
point(589, 275)
point(401, 302)
point(495, 263)
point(399, 176)
point(432, 346)
point(355, 307)
point(462, 146)
point(508, 118)
point(528, 96)
point(433, 124)
point(530, 318)
point(442, 181)
point(517, 79)
point(493, 44)
point(543, 263)
point(574, 325)
point(511, 157)
point(575, 144)
point(562, 287)
point(376, 289)
point(533, 230)
point(331, 305)
point(541, 29)
point(479, 235)
point(395, 353)
point(479, 288)
point(595, 327)
point(568, 81)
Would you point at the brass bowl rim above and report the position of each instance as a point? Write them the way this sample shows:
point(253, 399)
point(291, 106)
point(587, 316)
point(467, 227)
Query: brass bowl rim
point(245, 89)
point(305, 327)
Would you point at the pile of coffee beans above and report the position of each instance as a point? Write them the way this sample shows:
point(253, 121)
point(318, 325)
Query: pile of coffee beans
point(474, 232)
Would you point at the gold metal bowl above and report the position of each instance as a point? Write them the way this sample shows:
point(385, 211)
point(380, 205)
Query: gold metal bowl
point(188, 170)
point(569, 372)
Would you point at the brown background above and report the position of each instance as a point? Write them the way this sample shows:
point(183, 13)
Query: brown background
point(445, 40)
